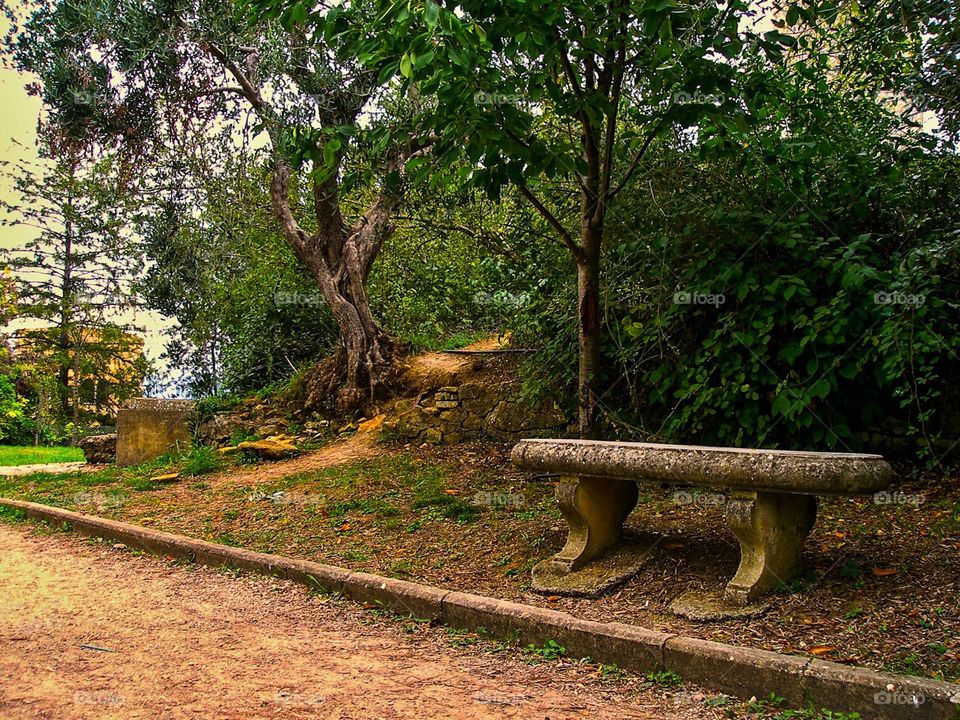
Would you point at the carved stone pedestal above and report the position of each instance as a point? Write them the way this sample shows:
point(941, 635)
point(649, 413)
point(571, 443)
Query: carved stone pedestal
point(771, 528)
point(596, 557)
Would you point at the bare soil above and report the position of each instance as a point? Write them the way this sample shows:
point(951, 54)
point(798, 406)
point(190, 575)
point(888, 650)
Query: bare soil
point(92, 631)
point(879, 589)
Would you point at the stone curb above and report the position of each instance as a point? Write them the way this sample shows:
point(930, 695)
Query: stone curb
point(739, 671)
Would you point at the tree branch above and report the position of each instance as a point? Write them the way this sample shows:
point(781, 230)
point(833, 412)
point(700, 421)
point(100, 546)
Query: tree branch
point(568, 240)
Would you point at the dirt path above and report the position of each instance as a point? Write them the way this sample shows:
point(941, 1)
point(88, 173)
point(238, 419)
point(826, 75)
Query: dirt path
point(195, 643)
point(339, 452)
point(67, 467)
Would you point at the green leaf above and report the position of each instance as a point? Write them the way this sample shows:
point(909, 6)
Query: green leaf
point(431, 13)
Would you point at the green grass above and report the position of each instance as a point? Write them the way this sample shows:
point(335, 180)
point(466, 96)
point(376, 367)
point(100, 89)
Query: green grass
point(19, 455)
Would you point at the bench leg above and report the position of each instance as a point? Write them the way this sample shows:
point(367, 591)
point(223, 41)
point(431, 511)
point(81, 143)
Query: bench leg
point(595, 509)
point(771, 528)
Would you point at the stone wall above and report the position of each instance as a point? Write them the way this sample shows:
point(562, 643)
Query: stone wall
point(149, 427)
point(471, 410)
point(895, 440)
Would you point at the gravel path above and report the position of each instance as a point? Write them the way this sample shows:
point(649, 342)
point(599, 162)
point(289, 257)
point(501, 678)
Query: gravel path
point(90, 631)
point(66, 467)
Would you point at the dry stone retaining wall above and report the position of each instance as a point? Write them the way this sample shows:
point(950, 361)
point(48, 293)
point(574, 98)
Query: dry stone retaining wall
point(473, 410)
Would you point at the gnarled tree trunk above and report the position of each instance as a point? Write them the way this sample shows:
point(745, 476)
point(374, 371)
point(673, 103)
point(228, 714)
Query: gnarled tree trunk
point(337, 256)
point(339, 259)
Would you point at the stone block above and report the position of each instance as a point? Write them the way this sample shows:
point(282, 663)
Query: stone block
point(454, 416)
point(99, 448)
point(744, 672)
point(150, 427)
point(879, 696)
point(400, 596)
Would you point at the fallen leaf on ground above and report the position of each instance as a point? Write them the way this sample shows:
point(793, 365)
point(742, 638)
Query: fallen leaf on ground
point(883, 572)
point(822, 649)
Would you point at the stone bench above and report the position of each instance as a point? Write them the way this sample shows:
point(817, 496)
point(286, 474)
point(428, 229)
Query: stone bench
point(770, 500)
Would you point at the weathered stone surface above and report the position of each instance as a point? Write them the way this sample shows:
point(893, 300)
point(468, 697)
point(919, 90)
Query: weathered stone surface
point(629, 647)
point(771, 528)
point(465, 412)
point(471, 391)
point(711, 606)
point(506, 417)
point(165, 478)
point(771, 506)
point(503, 618)
point(99, 448)
point(595, 578)
point(743, 671)
point(594, 509)
point(472, 422)
point(454, 416)
point(268, 449)
point(372, 425)
point(219, 429)
point(150, 427)
point(879, 696)
point(400, 596)
point(807, 473)
point(480, 407)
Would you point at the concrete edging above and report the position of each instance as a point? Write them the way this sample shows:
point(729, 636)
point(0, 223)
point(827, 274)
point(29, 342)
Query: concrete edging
point(739, 671)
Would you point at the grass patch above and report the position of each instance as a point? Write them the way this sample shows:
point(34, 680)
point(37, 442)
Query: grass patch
point(26, 455)
point(201, 460)
point(430, 494)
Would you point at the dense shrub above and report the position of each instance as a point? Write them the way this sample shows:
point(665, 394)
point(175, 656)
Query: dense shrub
point(766, 291)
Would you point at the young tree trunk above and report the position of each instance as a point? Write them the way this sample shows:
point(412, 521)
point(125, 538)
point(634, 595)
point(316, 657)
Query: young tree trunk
point(66, 312)
point(588, 284)
point(588, 305)
point(75, 395)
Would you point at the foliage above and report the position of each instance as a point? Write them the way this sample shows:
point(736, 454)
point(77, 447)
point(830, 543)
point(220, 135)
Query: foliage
point(550, 650)
point(73, 289)
point(247, 314)
point(200, 460)
point(13, 420)
point(791, 284)
point(545, 109)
